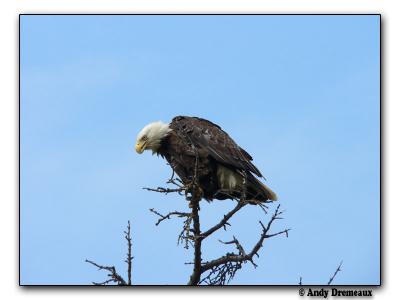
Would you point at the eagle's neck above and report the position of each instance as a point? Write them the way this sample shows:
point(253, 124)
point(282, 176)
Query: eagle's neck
point(158, 135)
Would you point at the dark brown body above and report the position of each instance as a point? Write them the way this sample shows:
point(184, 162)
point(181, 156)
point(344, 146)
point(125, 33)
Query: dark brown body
point(191, 136)
point(182, 159)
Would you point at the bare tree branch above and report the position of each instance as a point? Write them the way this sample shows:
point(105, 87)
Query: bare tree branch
point(220, 270)
point(224, 220)
point(233, 262)
point(185, 235)
point(222, 274)
point(165, 190)
point(195, 277)
point(129, 255)
point(334, 274)
point(112, 272)
point(338, 269)
point(170, 214)
point(115, 277)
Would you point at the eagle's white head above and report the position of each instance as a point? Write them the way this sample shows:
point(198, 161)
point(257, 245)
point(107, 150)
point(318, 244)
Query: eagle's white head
point(150, 137)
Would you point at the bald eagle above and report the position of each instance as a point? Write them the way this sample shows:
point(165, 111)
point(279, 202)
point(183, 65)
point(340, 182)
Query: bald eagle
point(224, 170)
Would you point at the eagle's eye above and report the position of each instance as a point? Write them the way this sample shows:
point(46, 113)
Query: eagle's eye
point(144, 138)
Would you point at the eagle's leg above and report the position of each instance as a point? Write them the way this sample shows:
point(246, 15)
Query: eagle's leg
point(195, 191)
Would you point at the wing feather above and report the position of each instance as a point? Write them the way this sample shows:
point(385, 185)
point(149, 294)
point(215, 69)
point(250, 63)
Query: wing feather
point(210, 137)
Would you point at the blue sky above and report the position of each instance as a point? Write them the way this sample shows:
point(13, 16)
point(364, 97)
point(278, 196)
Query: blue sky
point(299, 93)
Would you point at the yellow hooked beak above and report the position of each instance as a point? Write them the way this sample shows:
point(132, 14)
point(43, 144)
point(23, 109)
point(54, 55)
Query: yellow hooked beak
point(139, 147)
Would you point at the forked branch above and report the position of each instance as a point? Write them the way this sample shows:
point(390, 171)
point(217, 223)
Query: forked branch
point(114, 276)
point(222, 269)
point(112, 273)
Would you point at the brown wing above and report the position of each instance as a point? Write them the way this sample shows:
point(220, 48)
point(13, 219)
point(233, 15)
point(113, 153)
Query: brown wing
point(210, 137)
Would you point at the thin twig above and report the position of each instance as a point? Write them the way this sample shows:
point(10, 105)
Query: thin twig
point(237, 243)
point(165, 190)
point(222, 269)
point(115, 277)
point(337, 271)
point(129, 255)
point(112, 272)
point(169, 215)
point(224, 220)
